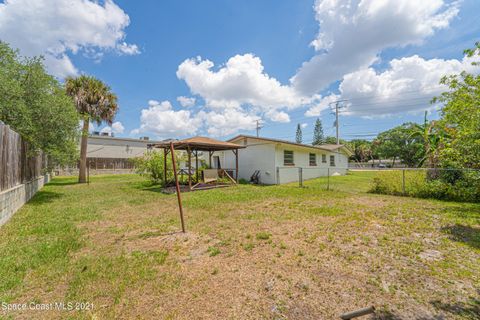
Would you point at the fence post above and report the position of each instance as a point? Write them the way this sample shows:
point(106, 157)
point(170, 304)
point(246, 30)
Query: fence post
point(328, 178)
point(300, 177)
point(403, 182)
point(88, 172)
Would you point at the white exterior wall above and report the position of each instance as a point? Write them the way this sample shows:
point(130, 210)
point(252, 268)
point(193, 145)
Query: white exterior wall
point(119, 148)
point(267, 156)
point(301, 158)
point(257, 156)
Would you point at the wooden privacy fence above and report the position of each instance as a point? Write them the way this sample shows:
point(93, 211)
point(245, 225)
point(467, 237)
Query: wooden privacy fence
point(18, 162)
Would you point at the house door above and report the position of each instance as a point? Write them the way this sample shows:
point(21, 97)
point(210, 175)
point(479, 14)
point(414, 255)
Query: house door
point(216, 162)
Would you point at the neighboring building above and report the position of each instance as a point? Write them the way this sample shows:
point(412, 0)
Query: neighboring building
point(108, 147)
point(108, 154)
point(280, 161)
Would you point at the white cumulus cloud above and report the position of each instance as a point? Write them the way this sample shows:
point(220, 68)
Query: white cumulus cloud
point(353, 33)
point(227, 122)
point(58, 28)
point(161, 119)
point(117, 128)
point(241, 82)
point(186, 101)
point(408, 85)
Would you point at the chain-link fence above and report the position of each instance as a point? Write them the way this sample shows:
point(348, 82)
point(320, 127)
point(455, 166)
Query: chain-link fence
point(327, 178)
point(439, 183)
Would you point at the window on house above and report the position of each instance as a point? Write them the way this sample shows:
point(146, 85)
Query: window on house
point(324, 158)
point(288, 158)
point(313, 159)
point(332, 161)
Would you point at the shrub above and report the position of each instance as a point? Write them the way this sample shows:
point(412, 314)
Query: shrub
point(151, 165)
point(243, 181)
point(456, 185)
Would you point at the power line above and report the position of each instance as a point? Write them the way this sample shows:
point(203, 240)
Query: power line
point(356, 105)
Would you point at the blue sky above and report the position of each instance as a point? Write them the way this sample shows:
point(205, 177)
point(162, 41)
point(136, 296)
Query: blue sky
point(137, 48)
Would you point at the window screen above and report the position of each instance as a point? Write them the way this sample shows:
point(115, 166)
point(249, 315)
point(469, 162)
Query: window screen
point(288, 158)
point(312, 159)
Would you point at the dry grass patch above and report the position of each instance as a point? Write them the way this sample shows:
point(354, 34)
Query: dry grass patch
point(279, 252)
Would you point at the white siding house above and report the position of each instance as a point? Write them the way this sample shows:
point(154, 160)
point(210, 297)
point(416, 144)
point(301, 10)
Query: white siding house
point(280, 161)
point(103, 146)
point(107, 154)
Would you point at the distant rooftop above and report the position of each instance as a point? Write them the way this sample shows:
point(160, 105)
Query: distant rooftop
point(97, 135)
point(326, 147)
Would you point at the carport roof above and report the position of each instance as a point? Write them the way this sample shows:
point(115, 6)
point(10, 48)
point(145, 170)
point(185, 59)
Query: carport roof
point(199, 143)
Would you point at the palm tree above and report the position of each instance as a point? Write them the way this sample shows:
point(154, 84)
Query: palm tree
point(431, 136)
point(95, 102)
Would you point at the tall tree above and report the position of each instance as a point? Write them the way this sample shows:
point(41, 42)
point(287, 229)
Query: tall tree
point(402, 143)
point(461, 118)
point(362, 150)
point(298, 134)
point(94, 102)
point(32, 102)
point(318, 136)
point(333, 140)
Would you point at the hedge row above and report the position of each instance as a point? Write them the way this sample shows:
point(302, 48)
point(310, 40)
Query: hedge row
point(455, 185)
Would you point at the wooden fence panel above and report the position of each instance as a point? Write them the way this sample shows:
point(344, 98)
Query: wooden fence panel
point(18, 162)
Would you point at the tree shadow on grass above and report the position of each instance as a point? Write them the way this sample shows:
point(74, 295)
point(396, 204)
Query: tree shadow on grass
point(465, 211)
point(42, 197)
point(62, 182)
point(468, 310)
point(461, 233)
point(388, 315)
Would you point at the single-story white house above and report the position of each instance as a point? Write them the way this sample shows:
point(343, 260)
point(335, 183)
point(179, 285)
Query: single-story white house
point(280, 161)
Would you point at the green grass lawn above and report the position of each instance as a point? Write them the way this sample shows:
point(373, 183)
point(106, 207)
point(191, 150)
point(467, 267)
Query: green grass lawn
point(250, 252)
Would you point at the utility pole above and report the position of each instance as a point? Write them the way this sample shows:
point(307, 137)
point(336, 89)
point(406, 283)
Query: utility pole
point(336, 122)
point(258, 127)
point(337, 107)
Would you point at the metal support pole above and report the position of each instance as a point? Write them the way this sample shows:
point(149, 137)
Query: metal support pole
point(177, 186)
point(403, 182)
point(236, 164)
point(278, 175)
point(189, 167)
point(196, 166)
point(165, 166)
point(328, 178)
point(300, 177)
point(358, 313)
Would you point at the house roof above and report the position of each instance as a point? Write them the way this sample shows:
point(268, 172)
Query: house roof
point(199, 143)
point(331, 147)
point(98, 137)
point(326, 147)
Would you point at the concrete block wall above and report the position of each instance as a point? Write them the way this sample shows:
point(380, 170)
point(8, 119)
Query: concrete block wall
point(93, 172)
point(14, 198)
